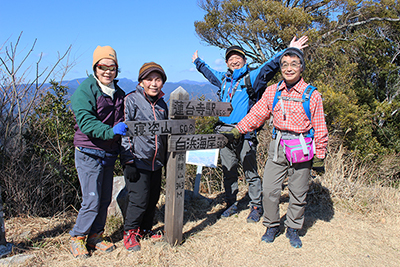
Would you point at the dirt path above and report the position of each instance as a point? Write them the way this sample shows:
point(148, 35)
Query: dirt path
point(331, 238)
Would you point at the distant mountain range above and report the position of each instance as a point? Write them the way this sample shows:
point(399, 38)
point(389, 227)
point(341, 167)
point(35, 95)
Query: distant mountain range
point(195, 89)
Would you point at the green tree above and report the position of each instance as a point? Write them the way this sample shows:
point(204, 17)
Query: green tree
point(51, 130)
point(353, 57)
point(49, 137)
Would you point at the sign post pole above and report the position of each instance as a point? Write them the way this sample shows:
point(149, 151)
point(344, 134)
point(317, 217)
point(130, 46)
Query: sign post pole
point(175, 185)
point(196, 188)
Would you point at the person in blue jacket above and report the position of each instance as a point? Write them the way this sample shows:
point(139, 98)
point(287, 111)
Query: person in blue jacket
point(240, 86)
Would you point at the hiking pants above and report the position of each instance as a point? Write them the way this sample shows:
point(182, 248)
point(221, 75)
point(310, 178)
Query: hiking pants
point(143, 194)
point(96, 179)
point(245, 151)
point(274, 174)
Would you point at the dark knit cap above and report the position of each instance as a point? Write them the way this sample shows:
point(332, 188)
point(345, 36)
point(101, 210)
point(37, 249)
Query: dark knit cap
point(294, 51)
point(236, 49)
point(149, 67)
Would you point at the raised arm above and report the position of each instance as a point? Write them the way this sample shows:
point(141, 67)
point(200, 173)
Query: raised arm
point(213, 76)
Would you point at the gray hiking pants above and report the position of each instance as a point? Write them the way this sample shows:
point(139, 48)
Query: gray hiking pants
point(245, 151)
point(274, 174)
point(96, 180)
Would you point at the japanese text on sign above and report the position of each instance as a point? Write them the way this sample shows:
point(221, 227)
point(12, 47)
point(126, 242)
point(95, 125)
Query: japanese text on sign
point(196, 142)
point(200, 108)
point(161, 127)
point(180, 181)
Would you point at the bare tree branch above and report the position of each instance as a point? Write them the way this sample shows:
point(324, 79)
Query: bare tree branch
point(358, 23)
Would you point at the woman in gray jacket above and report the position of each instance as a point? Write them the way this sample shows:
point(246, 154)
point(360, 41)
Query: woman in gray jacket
point(142, 171)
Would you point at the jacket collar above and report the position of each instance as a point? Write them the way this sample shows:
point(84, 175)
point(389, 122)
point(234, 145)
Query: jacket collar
point(295, 87)
point(141, 91)
point(237, 74)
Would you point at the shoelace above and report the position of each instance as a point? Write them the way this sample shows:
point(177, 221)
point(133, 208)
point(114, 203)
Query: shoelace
point(132, 235)
point(80, 245)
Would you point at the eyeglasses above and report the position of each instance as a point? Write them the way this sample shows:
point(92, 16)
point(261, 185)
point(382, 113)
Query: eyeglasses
point(294, 65)
point(105, 67)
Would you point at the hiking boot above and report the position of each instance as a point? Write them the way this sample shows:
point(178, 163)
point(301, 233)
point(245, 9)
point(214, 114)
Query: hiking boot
point(151, 234)
point(294, 238)
point(255, 215)
point(78, 247)
point(6, 249)
point(131, 239)
point(96, 241)
point(270, 234)
point(230, 211)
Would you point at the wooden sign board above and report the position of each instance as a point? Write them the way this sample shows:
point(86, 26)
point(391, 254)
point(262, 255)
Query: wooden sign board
point(196, 142)
point(180, 108)
point(161, 127)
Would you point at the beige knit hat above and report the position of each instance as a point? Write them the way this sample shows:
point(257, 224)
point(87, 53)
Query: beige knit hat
point(149, 67)
point(104, 52)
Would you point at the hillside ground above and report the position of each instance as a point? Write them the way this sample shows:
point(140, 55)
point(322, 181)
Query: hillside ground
point(332, 236)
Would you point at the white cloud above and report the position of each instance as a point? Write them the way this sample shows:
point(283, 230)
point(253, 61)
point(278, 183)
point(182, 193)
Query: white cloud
point(219, 62)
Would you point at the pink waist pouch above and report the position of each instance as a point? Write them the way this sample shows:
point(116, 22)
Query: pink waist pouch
point(297, 152)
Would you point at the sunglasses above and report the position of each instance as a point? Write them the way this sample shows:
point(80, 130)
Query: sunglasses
point(294, 65)
point(105, 67)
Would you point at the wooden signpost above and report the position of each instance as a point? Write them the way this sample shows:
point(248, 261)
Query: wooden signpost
point(180, 108)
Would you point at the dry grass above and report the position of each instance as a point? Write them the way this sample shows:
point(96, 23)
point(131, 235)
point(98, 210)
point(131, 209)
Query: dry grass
point(352, 219)
point(332, 236)
point(358, 187)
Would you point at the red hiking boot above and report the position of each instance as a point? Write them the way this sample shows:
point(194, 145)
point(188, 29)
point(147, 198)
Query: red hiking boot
point(151, 234)
point(131, 239)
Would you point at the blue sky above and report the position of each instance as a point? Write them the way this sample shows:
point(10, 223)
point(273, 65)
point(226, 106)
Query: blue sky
point(140, 31)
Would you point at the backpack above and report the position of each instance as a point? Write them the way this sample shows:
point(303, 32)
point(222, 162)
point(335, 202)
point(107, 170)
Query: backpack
point(305, 99)
point(253, 96)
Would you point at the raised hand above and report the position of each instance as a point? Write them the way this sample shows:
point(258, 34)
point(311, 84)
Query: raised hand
point(300, 43)
point(195, 56)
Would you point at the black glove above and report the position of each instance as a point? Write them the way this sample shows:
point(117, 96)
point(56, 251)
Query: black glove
point(130, 172)
point(232, 135)
point(318, 165)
